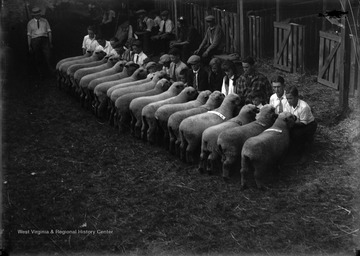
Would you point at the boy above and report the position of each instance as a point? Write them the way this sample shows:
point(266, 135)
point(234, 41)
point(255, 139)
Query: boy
point(278, 99)
point(176, 64)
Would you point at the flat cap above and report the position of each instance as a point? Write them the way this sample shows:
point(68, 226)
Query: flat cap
point(214, 61)
point(150, 64)
point(141, 11)
point(164, 13)
point(194, 59)
point(209, 18)
point(35, 11)
point(164, 58)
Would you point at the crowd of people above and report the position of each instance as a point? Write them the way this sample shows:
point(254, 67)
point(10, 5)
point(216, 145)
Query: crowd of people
point(187, 58)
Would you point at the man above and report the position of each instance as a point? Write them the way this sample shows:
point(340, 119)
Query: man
point(216, 75)
point(305, 125)
point(278, 99)
point(139, 55)
point(144, 29)
point(251, 80)
point(39, 40)
point(165, 61)
point(176, 64)
point(213, 42)
point(165, 35)
point(197, 76)
point(189, 39)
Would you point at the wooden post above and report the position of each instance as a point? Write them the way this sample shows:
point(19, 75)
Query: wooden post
point(175, 18)
point(278, 11)
point(324, 7)
point(345, 57)
point(240, 11)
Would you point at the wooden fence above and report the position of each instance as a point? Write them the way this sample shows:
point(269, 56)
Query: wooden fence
point(256, 36)
point(354, 67)
point(289, 47)
point(329, 60)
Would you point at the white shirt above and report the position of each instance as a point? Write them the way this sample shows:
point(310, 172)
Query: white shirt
point(89, 44)
point(108, 48)
point(231, 86)
point(275, 102)
point(34, 31)
point(139, 58)
point(169, 26)
point(259, 107)
point(302, 111)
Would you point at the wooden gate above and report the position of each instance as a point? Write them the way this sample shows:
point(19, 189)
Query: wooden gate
point(354, 67)
point(289, 47)
point(329, 60)
point(256, 36)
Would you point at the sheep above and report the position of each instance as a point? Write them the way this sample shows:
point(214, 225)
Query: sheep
point(191, 128)
point(164, 112)
point(230, 141)
point(209, 156)
point(214, 101)
point(149, 127)
point(265, 151)
point(136, 106)
point(123, 102)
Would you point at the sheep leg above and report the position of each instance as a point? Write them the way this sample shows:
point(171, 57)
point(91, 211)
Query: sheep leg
point(192, 151)
point(152, 131)
point(182, 149)
point(144, 128)
point(213, 162)
point(203, 157)
point(137, 128)
point(229, 164)
point(172, 140)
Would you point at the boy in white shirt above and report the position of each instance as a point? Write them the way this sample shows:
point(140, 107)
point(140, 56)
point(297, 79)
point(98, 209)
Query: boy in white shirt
point(278, 99)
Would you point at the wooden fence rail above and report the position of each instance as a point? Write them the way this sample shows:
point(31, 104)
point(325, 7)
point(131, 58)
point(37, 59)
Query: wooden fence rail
point(354, 67)
point(289, 47)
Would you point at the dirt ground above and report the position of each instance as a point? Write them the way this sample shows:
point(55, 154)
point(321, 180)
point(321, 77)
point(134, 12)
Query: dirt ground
point(65, 176)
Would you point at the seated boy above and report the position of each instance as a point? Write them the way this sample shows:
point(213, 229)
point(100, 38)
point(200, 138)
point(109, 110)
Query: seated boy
point(305, 126)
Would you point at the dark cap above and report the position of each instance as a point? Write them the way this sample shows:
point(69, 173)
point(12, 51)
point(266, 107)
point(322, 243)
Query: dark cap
point(35, 11)
point(164, 13)
point(141, 11)
point(194, 59)
point(164, 58)
point(209, 18)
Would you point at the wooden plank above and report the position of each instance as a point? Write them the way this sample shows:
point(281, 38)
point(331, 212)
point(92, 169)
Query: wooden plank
point(281, 25)
point(332, 63)
point(262, 41)
point(353, 69)
point(294, 49)
point(291, 53)
point(276, 40)
point(250, 18)
point(286, 49)
point(327, 83)
point(253, 29)
point(240, 12)
point(327, 53)
point(257, 23)
point(283, 43)
point(283, 67)
point(330, 36)
point(328, 61)
point(301, 49)
point(321, 55)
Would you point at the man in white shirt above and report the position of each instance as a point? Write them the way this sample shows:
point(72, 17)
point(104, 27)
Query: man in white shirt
point(39, 40)
point(139, 55)
point(176, 64)
point(162, 40)
point(89, 41)
point(305, 126)
point(278, 99)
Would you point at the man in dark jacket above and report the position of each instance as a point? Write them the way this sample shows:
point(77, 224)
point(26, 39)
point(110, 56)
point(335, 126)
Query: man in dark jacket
point(197, 75)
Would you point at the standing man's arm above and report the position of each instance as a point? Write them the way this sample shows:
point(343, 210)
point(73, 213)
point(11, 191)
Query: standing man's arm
point(48, 29)
point(218, 36)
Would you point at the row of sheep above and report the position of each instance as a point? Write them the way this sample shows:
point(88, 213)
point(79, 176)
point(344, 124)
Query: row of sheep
point(205, 127)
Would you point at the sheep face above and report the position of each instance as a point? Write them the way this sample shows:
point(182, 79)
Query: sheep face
point(267, 112)
point(204, 96)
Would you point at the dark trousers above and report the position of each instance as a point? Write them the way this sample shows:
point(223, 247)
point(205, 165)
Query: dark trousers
point(300, 136)
point(41, 53)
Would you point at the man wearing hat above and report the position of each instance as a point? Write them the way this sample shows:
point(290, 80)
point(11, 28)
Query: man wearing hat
point(213, 42)
point(39, 40)
point(165, 60)
point(197, 76)
point(189, 38)
point(151, 67)
point(165, 35)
